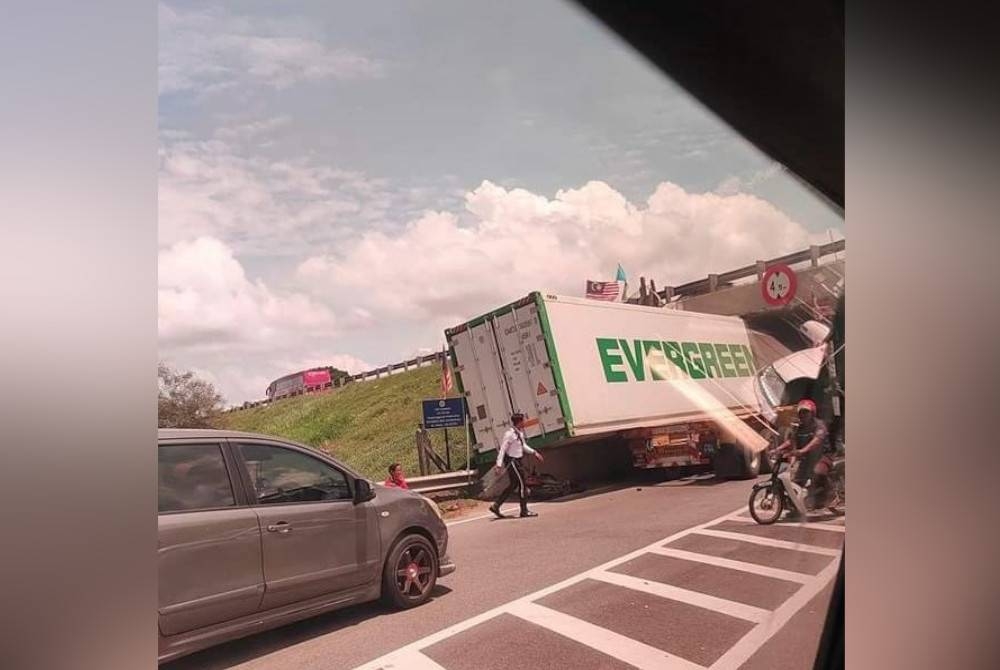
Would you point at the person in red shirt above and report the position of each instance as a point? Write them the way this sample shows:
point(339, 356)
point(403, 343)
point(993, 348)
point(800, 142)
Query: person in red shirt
point(396, 478)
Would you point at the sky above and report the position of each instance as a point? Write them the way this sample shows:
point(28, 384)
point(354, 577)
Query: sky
point(341, 181)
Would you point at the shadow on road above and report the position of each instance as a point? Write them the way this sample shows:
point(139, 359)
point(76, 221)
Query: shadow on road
point(666, 479)
point(240, 651)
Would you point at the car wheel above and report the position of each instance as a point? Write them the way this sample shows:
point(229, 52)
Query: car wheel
point(410, 572)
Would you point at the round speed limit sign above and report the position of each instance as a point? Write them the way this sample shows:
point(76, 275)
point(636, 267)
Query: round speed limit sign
point(778, 285)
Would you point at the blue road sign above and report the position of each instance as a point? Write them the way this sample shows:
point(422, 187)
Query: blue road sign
point(447, 413)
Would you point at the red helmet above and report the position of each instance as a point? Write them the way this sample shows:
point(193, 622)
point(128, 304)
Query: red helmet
point(806, 405)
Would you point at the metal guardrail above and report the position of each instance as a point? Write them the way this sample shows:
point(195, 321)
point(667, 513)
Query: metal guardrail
point(387, 370)
point(709, 284)
point(447, 481)
point(377, 373)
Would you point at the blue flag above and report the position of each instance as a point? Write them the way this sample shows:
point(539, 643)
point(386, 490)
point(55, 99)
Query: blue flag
point(621, 274)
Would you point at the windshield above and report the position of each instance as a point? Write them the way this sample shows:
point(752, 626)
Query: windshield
point(772, 385)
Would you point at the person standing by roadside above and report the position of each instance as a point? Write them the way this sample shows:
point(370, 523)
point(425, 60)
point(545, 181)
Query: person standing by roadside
point(396, 478)
point(513, 446)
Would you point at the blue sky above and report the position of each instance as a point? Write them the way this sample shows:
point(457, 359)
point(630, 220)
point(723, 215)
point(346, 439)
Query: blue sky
point(340, 180)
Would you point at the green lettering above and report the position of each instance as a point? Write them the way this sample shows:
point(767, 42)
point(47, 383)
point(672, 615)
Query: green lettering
point(609, 359)
point(750, 359)
point(725, 360)
point(657, 362)
point(739, 361)
point(710, 363)
point(693, 359)
point(675, 356)
point(634, 358)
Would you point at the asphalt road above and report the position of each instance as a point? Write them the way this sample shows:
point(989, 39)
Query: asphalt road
point(671, 575)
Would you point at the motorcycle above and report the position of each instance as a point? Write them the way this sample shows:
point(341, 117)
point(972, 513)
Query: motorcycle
point(769, 499)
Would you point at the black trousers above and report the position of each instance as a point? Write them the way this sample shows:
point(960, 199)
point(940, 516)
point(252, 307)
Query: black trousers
point(515, 472)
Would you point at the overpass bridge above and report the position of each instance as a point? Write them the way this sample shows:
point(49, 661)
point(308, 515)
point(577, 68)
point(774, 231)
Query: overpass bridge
point(820, 271)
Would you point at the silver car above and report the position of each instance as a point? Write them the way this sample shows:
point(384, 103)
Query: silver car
point(257, 532)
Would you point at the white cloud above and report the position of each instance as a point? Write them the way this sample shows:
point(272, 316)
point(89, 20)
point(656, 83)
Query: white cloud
point(249, 129)
point(227, 188)
point(210, 188)
point(446, 268)
point(239, 334)
point(733, 185)
point(204, 296)
point(209, 50)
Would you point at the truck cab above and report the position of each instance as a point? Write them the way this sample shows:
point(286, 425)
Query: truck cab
point(782, 384)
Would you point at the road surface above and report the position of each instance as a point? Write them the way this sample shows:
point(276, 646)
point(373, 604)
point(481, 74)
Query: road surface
point(671, 575)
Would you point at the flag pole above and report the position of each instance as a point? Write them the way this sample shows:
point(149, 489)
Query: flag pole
point(445, 388)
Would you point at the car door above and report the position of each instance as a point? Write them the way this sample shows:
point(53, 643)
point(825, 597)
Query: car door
point(209, 552)
point(314, 537)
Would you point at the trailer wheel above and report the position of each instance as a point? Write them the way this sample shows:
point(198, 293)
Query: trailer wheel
point(751, 463)
point(765, 463)
point(732, 461)
point(725, 463)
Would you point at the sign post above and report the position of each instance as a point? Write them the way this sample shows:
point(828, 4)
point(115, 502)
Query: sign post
point(445, 413)
point(447, 450)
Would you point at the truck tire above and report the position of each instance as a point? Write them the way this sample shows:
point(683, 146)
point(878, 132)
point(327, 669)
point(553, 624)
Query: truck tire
point(765, 463)
point(752, 463)
point(725, 463)
point(734, 462)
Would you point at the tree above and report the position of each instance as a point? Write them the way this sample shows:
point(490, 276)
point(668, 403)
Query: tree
point(186, 401)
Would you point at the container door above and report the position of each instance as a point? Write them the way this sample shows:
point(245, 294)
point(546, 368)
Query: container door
point(491, 410)
point(529, 377)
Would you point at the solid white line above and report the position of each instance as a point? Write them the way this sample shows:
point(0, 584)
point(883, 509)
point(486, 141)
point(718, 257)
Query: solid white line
point(625, 649)
point(759, 635)
point(768, 542)
point(454, 629)
point(482, 516)
point(818, 525)
point(763, 570)
point(703, 600)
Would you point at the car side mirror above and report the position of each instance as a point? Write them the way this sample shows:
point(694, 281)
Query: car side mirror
point(363, 491)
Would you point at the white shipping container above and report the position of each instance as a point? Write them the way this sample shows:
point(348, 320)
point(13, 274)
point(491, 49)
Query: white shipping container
point(578, 367)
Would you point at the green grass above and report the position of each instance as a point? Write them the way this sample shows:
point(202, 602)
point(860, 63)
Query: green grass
point(367, 425)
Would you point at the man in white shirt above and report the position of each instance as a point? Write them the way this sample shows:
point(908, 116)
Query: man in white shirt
point(512, 449)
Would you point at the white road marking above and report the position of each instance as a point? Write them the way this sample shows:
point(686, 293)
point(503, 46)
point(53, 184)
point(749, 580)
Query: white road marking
point(482, 516)
point(818, 525)
point(759, 635)
point(696, 598)
point(763, 570)
point(768, 542)
point(633, 652)
point(423, 643)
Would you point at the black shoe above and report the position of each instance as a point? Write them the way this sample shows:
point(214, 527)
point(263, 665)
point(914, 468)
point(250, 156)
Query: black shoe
point(527, 513)
point(496, 512)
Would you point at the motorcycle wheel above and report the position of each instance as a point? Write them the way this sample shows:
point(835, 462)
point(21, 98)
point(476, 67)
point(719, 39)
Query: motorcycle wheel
point(766, 505)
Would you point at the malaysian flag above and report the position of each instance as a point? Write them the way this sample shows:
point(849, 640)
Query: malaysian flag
point(447, 381)
point(603, 290)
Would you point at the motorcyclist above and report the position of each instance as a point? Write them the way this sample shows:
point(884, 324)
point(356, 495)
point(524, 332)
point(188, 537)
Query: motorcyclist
point(808, 440)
